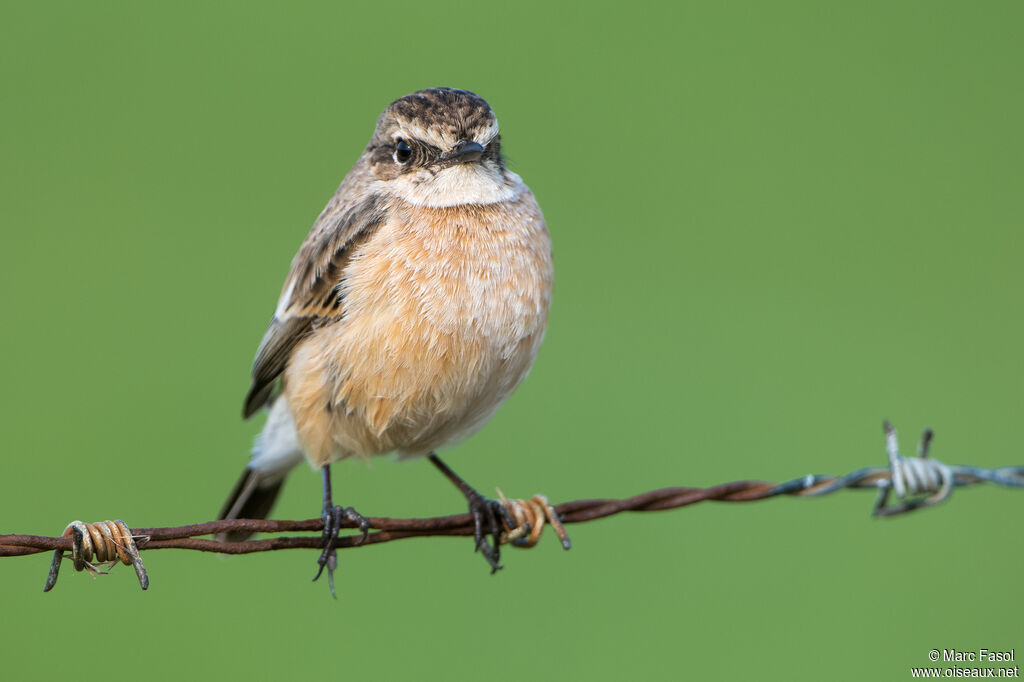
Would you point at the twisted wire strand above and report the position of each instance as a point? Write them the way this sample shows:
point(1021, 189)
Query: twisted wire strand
point(918, 482)
point(577, 511)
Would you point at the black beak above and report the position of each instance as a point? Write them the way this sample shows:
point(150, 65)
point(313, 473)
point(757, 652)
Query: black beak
point(464, 152)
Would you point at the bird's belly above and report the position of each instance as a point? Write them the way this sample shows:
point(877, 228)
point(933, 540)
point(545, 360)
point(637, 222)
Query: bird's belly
point(428, 347)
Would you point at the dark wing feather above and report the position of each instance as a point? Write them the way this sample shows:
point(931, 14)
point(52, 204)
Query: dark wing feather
point(272, 357)
point(311, 296)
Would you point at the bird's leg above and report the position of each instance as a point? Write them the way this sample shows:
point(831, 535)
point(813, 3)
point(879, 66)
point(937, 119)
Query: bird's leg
point(487, 515)
point(333, 517)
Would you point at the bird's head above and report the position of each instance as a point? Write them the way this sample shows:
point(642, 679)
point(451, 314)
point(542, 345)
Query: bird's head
point(439, 147)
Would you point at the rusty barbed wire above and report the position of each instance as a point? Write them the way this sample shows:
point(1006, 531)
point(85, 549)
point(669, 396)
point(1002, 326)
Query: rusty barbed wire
point(919, 482)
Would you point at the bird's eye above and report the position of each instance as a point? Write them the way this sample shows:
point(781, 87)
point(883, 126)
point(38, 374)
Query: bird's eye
point(403, 152)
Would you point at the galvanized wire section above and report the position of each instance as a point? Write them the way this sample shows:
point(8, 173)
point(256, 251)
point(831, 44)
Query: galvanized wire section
point(917, 481)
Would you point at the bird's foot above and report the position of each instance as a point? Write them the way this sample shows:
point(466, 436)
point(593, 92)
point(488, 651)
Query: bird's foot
point(335, 518)
point(490, 518)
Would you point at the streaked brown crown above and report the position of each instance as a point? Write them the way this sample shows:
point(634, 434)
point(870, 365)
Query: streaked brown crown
point(458, 114)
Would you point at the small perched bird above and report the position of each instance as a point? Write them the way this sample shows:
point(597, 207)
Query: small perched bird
point(414, 308)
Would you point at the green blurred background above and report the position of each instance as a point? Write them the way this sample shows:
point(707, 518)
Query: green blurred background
point(774, 224)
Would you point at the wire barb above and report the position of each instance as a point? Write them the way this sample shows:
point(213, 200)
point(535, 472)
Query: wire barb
point(530, 516)
point(922, 479)
point(105, 543)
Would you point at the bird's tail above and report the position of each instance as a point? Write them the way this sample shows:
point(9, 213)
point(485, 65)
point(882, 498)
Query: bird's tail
point(253, 497)
point(275, 454)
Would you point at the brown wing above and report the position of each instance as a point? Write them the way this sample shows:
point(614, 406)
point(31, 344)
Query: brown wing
point(311, 296)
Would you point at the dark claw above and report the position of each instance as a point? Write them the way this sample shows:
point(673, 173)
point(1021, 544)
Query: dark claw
point(333, 519)
point(487, 517)
point(362, 523)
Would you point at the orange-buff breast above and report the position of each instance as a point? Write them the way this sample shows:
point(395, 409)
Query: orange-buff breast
point(444, 311)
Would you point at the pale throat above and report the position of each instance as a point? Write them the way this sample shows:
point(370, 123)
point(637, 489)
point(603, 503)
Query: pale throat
point(457, 185)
